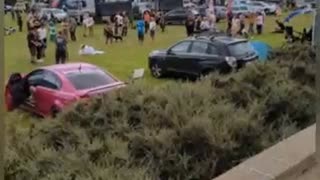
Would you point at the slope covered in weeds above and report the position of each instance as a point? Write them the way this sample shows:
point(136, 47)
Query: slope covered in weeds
point(179, 131)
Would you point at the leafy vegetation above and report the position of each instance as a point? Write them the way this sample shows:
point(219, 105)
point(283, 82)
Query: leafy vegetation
point(181, 131)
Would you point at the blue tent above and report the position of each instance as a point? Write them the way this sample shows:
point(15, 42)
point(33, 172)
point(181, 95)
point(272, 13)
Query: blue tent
point(263, 50)
point(298, 12)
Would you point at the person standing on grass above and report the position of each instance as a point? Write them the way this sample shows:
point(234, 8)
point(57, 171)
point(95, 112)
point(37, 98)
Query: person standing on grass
point(65, 28)
point(140, 30)
point(190, 24)
point(90, 25)
point(32, 43)
point(153, 27)
point(72, 29)
point(108, 32)
point(146, 18)
point(162, 23)
point(52, 31)
point(19, 21)
point(242, 19)
point(42, 31)
point(125, 24)
point(251, 20)
point(61, 49)
point(259, 23)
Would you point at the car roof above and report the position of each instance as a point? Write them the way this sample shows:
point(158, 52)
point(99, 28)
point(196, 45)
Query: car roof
point(62, 68)
point(221, 39)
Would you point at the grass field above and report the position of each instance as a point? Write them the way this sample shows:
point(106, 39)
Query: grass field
point(120, 58)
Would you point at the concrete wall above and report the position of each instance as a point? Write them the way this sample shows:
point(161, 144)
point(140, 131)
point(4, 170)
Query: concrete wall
point(286, 160)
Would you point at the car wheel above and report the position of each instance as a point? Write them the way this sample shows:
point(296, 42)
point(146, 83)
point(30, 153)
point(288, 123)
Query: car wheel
point(156, 71)
point(55, 111)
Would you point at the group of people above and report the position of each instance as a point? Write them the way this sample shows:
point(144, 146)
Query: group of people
point(242, 25)
point(197, 24)
point(116, 27)
point(37, 38)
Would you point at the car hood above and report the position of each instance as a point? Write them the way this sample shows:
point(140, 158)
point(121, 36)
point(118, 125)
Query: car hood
point(158, 52)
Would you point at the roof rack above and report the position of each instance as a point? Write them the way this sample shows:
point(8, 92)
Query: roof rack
point(211, 37)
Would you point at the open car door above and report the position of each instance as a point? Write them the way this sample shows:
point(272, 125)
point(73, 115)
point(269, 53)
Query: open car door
point(16, 92)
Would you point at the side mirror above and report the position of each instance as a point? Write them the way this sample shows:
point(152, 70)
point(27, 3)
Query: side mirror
point(169, 52)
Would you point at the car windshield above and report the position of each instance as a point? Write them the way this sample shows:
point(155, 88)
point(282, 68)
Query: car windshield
point(240, 49)
point(89, 78)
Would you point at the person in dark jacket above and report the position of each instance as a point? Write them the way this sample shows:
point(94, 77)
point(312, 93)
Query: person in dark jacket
point(19, 21)
point(61, 49)
point(190, 24)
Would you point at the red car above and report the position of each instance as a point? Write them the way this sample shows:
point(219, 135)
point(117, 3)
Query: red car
point(47, 90)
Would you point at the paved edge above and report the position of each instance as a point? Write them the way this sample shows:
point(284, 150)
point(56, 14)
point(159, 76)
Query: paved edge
point(288, 159)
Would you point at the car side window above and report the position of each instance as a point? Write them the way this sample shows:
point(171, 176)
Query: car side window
point(44, 78)
point(35, 77)
point(199, 47)
point(212, 50)
point(51, 80)
point(182, 47)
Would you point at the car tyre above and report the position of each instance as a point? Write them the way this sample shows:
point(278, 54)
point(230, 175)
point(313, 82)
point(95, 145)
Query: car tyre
point(55, 111)
point(156, 71)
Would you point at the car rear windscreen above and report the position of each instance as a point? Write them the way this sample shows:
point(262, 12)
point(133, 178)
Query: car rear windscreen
point(89, 78)
point(240, 49)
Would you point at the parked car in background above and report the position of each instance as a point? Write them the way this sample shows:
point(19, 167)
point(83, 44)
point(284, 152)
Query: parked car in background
point(8, 8)
point(179, 16)
point(198, 56)
point(268, 8)
point(220, 12)
point(241, 9)
point(58, 14)
point(48, 90)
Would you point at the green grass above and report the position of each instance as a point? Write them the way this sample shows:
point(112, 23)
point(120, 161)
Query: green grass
point(120, 58)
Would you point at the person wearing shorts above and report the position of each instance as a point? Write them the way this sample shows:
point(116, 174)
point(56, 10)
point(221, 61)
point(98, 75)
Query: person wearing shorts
point(140, 30)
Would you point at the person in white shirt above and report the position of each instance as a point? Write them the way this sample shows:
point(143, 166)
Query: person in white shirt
point(259, 23)
point(119, 24)
point(212, 20)
point(152, 28)
point(204, 26)
point(42, 33)
point(235, 27)
point(90, 24)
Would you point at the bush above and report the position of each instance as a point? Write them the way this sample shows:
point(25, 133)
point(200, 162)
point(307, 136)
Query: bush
point(175, 131)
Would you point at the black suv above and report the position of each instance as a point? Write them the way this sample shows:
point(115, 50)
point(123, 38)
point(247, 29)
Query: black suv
point(198, 56)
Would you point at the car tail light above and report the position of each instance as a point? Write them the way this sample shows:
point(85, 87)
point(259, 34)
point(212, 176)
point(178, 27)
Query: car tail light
point(232, 62)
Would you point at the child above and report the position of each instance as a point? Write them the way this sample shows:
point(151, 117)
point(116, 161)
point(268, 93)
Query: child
point(52, 31)
point(140, 30)
point(153, 27)
point(61, 49)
